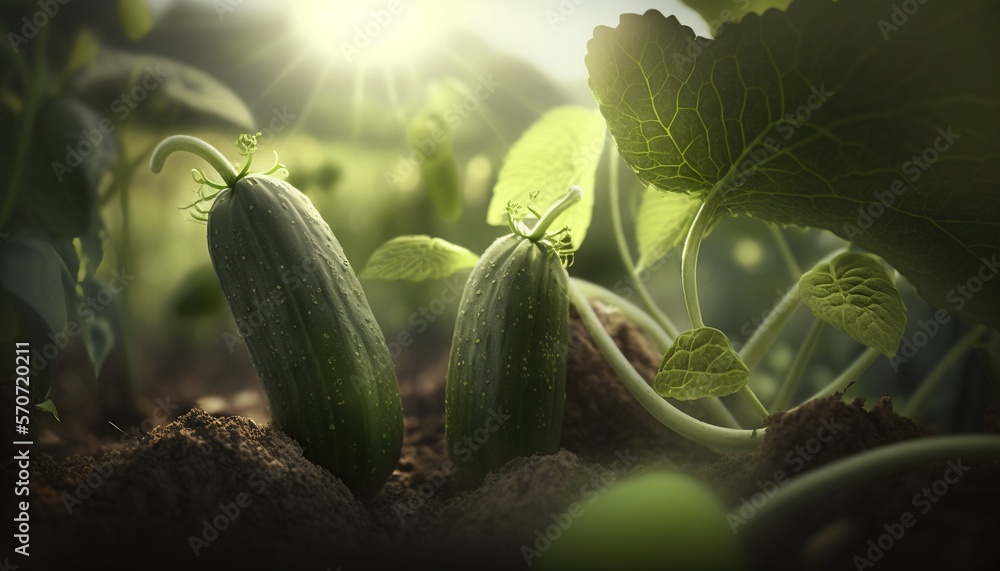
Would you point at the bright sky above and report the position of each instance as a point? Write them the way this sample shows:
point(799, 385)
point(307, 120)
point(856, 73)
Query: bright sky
point(552, 34)
point(538, 30)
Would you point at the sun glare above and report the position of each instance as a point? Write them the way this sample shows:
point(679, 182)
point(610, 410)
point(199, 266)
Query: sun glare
point(384, 32)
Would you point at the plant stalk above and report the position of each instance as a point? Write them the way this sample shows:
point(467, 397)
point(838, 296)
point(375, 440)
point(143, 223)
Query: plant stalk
point(573, 196)
point(661, 339)
point(861, 467)
point(626, 255)
point(794, 375)
point(33, 87)
point(855, 370)
point(768, 331)
point(198, 147)
point(714, 407)
point(786, 252)
point(918, 402)
point(710, 435)
point(689, 259)
point(747, 394)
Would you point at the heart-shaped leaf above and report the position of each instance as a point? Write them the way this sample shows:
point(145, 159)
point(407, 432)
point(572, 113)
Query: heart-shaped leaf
point(560, 150)
point(700, 363)
point(855, 294)
point(663, 222)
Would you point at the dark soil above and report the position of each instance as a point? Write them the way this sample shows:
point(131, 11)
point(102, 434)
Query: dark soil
point(143, 505)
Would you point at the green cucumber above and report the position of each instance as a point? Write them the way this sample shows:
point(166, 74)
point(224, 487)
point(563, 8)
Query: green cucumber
point(321, 357)
point(506, 381)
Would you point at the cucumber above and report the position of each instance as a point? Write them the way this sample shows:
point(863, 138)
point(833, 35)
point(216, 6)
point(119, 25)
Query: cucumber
point(506, 382)
point(321, 357)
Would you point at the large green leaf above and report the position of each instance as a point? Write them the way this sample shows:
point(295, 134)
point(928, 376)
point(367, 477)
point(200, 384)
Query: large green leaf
point(881, 95)
point(161, 87)
point(700, 363)
point(417, 258)
point(41, 290)
point(718, 12)
point(855, 294)
point(75, 146)
point(559, 150)
point(662, 224)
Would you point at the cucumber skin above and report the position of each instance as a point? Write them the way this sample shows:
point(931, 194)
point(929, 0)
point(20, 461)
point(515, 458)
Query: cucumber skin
point(516, 305)
point(321, 357)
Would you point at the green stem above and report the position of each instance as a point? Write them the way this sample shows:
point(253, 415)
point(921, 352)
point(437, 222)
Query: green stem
point(33, 89)
point(918, 402)
point(661, 339)
point(786, 252)
point(768, 331)
point(747, 394)
point(714, 407)
point(689, 259)
point(198, 147)
point(851, 374)
point(864, 466)
point(571, 197)
point(794, 375)
point(626, 255)
point(687, 426)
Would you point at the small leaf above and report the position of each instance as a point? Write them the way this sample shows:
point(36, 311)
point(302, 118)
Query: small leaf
point(136, 18)
point(98, 332)
point(700, 363)
point(417, 258)
point(854, 293)
point(162, 82)
point(663, 222)
point(49, 407)
point(559, 150)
